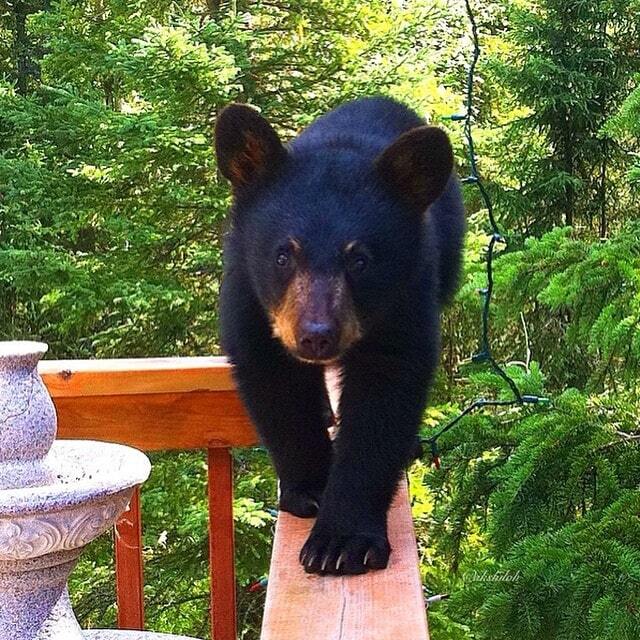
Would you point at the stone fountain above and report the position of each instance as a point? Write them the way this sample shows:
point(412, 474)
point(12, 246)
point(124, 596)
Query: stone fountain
point(55, 498)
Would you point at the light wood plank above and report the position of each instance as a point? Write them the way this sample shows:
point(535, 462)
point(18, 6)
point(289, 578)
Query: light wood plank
point(380, 605)
point(129, 376)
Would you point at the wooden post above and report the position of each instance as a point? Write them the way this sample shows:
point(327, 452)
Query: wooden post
point(221, 546)
point(129, 572)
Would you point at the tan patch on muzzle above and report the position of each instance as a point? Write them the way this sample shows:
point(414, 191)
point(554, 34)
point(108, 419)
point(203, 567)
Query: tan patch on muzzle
point(286, 317)
point(317, 299)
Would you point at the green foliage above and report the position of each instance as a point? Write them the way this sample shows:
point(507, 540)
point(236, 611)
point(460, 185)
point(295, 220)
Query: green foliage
point(112, 211)
point(579, 300)
point(538, 512)
point(567, 70)
point(624, 126)
point(552, 496)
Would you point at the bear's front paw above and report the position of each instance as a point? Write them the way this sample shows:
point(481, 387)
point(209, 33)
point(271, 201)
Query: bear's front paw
point(303, 502)
point(327, 551)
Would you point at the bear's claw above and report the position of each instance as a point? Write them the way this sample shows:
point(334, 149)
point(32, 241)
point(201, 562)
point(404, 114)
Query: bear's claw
point(326, 553)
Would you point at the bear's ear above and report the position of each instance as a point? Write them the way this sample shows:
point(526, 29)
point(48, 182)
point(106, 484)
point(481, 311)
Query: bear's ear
point(247, 147)
point(417, 166)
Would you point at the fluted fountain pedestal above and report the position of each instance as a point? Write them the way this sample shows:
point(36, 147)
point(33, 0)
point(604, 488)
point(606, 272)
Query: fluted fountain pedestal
point(35, 601)
point(55, 498)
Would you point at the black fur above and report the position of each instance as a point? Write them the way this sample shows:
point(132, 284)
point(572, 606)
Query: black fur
point(367, 172)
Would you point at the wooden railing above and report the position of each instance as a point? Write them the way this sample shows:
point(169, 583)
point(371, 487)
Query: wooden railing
point(191, 403)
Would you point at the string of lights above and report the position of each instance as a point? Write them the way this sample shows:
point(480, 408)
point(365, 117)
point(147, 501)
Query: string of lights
point(485, 354)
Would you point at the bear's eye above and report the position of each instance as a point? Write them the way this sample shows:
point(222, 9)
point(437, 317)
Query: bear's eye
point(282, 259)
point(357, 262)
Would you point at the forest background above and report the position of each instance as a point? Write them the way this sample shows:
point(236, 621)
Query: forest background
point(111, 220)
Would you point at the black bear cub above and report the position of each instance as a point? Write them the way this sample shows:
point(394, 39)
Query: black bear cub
point(344, 246)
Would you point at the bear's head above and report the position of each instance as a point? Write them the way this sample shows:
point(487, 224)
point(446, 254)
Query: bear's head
point(331, 238)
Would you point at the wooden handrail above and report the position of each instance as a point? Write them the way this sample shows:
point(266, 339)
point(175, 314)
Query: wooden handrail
point(131, 376)
point(191, 403)
point(151, 404)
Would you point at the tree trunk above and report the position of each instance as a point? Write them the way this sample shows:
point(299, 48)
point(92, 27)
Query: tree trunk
point(213, 7)
point(569, 200)
point(21, 48)
point(603, 191)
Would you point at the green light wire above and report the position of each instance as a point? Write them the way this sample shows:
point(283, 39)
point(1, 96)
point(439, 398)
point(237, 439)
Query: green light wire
point(485, 354)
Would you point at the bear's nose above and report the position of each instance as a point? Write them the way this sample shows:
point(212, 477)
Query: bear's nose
point(318, 341)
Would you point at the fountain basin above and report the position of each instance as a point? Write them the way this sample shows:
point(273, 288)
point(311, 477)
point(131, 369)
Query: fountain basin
point(43, 529)
point(92, 485)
